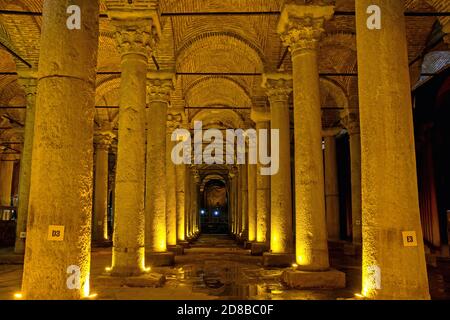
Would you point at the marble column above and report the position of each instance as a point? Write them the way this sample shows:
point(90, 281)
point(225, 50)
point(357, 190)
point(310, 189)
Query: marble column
point(188, 202)
point(28, 80)
point(251, 179)
point(300, 28)
point(244, 203)
point(102, 141)
point(351, 122)
point(160, 84)
point(60, 197)
point(174, 121)
point(393, 251)
point(180, 172)
point(135, 35)
point(195, 203)
point(331, 185)
point(262, 119)
point(6, 175)
point(232, 199)
point(278, 88)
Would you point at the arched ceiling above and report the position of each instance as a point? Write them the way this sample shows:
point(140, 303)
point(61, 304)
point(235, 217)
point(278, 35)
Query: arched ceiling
point(210, 44)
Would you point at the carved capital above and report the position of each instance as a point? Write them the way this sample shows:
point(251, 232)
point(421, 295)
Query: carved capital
point(160, 85)
point(135, 36)
point(278, 86)
point(301, 26)
point(103, 140)
point(350, 121)
point(174, 121)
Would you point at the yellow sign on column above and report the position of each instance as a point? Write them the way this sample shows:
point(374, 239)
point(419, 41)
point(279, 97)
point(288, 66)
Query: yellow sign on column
point(55, 233)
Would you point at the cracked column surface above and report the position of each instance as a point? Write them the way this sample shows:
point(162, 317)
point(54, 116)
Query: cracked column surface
point(135, 38)
point(62, 157)
point(28, 80)
point(278, 89)
point(392, 268)
point(100, 222)
point(159, 87)
point(300, 28)
point(331, 186)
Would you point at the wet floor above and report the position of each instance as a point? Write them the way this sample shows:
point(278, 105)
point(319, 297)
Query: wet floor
point(215, 267)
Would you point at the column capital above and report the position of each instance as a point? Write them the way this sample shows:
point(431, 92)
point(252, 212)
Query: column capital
point(350, 121)
point(103, 140)
point(160, 85)
point(278, 86)
point(137, 23)
point(175, 120)
point(301, 26)
point(259, 114)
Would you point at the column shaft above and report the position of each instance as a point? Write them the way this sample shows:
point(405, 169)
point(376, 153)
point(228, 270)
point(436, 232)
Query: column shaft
point(390, 206)
point(251, 202)
point(355, 165)
point(100, 221)
point(262, 197)
point(171, 194)
point(62, 157)
point(180, 172)
point(29, 83)
point(6, 174)
point(331, 189)
point(244, 205)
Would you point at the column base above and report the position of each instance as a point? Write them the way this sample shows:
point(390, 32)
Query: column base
point(177, 250)
point(160, 259)
point(150, 279)
point(258, 248)
point(185, 244)
point(330, 279)
point(279, 260)
point(248, 245)
point(353, 249)
point(102, 244)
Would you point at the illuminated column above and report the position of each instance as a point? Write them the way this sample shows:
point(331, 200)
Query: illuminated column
point(331, 185)
point(135, 35)
point(160, 84)
point(174, 220)
point(279, 88)
point(231, 200)
point(251, 179)
point(393, 251)
point(351, 122)
point(100, 222)
point(195, 203)
point(28, 80)
point(244, 203)
point(180, 172)
point(6, 174)
point(60, 198)
point(301, 27)
point(188, 202)
point(262, 119)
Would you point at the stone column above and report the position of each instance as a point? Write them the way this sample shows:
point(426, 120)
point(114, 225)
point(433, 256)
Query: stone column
point(231, 201)
point(180, 172)
point(301, 27)
point(188, 202)
point(244, 203)
point(160, 84)
point(279, 88)
point(135, 35)
point(251, 179)
point(6, 174)
point(195, 204)
point(351, 122)
point(100, 222)
point(262, 119)
point(174, 120)
point(60, 197)
point(393, 252)
point(331, 185)
point(28, 80)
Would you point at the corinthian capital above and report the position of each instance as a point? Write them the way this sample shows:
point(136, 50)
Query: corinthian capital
point(175, 120)
point(278, 86)
point(160, 85)
point(103, 140)
point(137, 25)
point(301, 26)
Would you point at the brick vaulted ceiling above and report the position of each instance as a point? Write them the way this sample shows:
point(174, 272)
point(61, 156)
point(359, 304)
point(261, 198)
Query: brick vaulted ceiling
point(210, 43)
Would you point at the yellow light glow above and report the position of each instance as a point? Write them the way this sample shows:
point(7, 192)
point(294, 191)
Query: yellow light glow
point(108, 269)
point(92, 296)
point(147, 269)
point(86, 287)
point(359, 296)
point(294, 265)
point(18, 295)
